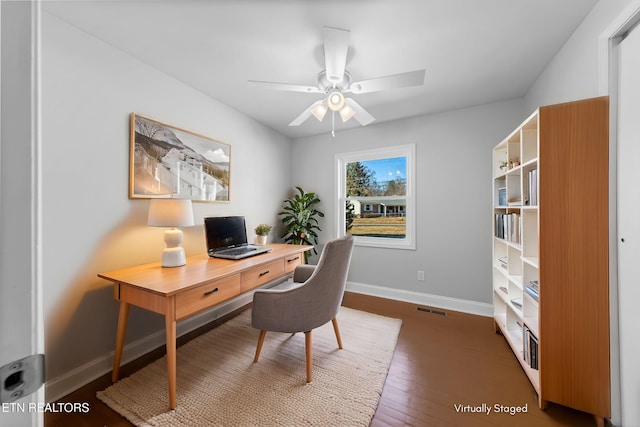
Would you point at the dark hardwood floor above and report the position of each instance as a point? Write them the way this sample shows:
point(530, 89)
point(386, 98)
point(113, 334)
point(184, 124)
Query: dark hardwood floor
point(443, 365)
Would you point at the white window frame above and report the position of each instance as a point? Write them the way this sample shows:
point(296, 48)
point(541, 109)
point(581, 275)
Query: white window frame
point(408, 151)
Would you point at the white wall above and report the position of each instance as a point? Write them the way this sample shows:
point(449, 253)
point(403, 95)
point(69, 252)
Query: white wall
point(573, 72)
point(90, 226)
point(453, 159)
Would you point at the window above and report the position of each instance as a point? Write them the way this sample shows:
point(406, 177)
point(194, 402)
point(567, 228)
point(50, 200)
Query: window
point(376, 197)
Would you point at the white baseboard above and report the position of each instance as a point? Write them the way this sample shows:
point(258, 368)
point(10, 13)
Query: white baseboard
point(465, 306)
point(59, 387)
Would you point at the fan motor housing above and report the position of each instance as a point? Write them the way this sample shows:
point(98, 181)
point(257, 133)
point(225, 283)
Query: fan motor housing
point(325, 85)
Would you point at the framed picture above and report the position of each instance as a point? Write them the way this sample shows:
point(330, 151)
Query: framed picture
point(166, 161)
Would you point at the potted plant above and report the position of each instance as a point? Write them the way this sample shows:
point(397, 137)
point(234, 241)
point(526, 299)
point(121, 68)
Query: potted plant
point(350, 215)
point(301, 218)
point(262, 230)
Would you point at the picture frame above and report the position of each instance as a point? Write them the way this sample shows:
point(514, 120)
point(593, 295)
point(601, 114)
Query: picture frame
point(169, 162)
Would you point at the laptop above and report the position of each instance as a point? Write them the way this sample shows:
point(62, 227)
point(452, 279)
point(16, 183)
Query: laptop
point(227, 238)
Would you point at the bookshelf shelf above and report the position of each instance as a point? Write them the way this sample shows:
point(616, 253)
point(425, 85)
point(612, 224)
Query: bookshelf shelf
point(530, 314)
point(514, 337)
point(516, 280)
point(530, 164)
point(514, 311)
point(550, 252)
point(532, 374)
point(500, 268)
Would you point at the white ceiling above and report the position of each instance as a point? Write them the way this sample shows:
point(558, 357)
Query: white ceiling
point(473, 51)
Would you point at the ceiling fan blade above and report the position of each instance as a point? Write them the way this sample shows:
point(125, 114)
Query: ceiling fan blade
point(361, 115)
point(284, 86)
point(336, 45)
point(412, 78)
point(305, 114)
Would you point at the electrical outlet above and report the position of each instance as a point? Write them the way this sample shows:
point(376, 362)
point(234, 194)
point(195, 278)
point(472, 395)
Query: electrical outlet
point(421, 275)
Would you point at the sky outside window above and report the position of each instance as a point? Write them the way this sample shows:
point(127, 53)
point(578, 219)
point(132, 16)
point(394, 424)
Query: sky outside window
point(388, 169)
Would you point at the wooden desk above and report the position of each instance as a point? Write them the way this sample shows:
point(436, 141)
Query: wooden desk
point(181, 292)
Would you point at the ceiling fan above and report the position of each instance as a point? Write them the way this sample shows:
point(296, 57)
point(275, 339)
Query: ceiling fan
point(335, 81)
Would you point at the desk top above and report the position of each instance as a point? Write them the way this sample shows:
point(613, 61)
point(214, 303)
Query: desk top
point(199, 269)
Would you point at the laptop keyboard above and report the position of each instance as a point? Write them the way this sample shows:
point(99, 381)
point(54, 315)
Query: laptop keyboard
point(237, 251)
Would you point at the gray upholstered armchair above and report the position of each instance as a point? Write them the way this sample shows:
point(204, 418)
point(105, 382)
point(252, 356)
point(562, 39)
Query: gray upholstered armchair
point(312, 301)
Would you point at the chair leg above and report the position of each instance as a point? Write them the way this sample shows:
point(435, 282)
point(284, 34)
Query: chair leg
point(337, 331)
point(309, 356)
point(263, 333)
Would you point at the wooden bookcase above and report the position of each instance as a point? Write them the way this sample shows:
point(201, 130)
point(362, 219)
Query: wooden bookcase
point(551, 226)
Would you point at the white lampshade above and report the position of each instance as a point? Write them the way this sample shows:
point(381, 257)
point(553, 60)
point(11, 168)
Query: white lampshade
point(346, 113)
point(171, 213)
point(319, 111)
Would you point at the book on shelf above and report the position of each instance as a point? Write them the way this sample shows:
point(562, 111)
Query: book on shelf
point(502, 196)
point(508, 227)
point(517, 302)
point(533, 348)
point(525, 343)
point(503, 262)
point(532, 289)
point(532, 187)
point(530, 348)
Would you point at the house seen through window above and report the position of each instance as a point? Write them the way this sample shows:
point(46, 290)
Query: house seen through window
point(375, 197)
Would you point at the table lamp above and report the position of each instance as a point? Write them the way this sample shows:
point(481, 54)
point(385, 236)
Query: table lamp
point(171, 213)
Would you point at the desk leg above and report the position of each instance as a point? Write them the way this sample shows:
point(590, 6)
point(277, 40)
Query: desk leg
point(123, 316)
point(171, 359)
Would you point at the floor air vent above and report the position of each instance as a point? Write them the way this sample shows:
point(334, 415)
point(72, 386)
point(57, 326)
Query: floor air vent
point(432, 311)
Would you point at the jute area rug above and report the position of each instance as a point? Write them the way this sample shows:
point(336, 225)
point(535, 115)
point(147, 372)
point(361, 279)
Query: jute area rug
point(219, 385)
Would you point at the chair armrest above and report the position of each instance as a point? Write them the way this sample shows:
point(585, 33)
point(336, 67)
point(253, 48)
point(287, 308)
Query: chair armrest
point(286, 310)
point(303, 272)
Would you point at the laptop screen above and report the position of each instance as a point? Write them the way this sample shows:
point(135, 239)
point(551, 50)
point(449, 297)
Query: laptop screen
point(223, 232)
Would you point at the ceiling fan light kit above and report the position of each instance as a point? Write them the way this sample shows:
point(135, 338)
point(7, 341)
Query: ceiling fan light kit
point(319, 111)
point(346, 113)
point(334, 81)
point(335, 100)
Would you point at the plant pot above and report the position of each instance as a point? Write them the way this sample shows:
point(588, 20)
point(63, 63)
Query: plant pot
point(261, 240)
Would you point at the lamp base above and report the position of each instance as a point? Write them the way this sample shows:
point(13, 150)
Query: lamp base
point(173, 257)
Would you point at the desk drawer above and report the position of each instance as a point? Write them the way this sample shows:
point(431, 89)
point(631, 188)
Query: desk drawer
point(262, 274)
point(207, 295)
point(292, 261)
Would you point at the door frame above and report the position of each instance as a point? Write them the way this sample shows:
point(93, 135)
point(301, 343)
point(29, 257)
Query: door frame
point(22, 125)
point(608, 78)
